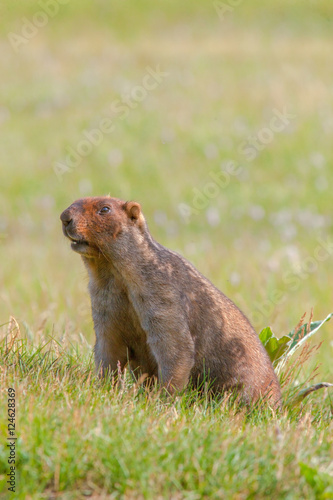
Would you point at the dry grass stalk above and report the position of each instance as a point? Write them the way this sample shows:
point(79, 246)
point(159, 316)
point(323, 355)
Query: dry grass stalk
point(13, 333)
point(308, 327)
point(300, 323)
point(291, 371)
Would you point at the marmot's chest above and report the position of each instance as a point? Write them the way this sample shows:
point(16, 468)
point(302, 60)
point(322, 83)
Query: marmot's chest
point(115, 318)
point(114, 315)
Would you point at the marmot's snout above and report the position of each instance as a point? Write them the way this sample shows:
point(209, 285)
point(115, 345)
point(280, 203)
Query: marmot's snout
point(66, 217)
point(68, 226)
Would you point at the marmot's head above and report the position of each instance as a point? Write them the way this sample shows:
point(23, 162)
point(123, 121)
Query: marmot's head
point(92, 224)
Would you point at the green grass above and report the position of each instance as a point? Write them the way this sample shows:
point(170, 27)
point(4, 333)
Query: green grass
point(257, 239)
point(79, 437)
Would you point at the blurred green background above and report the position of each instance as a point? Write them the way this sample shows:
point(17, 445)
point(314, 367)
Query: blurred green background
point(230, 69)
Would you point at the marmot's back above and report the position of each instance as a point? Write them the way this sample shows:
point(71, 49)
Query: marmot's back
point(225, 341)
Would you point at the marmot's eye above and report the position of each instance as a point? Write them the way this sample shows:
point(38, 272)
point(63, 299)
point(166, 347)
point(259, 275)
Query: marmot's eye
point(104, 210)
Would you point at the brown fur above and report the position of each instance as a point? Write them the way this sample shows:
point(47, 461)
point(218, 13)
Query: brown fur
point(152, 309)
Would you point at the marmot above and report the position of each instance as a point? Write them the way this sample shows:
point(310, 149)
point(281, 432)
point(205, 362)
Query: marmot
point(153, 310)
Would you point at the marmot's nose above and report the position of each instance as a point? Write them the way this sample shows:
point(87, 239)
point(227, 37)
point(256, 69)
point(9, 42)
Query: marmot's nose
point(66, 217)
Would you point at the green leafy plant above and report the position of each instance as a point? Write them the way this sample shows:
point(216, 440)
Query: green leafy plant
point(281, 349)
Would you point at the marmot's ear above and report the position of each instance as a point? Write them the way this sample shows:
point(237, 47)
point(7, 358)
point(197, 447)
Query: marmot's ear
point(132, 209)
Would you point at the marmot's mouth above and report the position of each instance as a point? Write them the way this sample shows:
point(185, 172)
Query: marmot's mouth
point(80, 246)
point(76, 242)
point(79, 242)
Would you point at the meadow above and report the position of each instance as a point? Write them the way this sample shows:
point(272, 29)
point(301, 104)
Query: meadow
point(217, 117)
